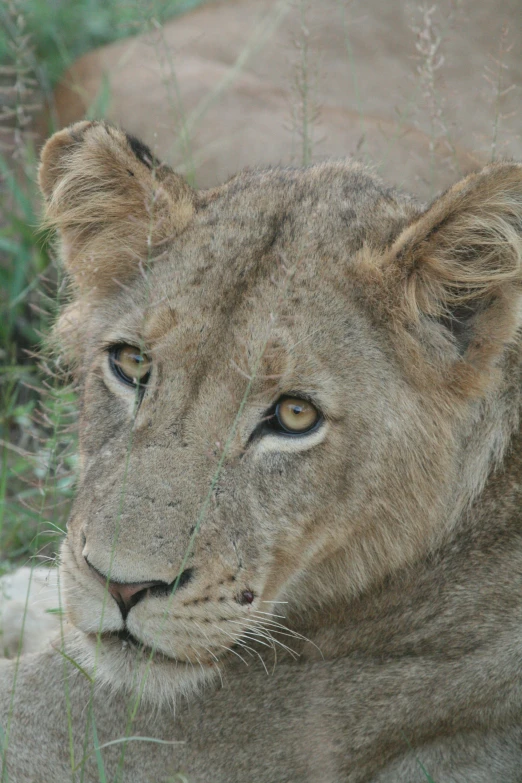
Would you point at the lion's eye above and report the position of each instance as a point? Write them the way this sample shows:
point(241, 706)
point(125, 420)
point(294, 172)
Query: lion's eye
point(295, 416)
point(129, 364)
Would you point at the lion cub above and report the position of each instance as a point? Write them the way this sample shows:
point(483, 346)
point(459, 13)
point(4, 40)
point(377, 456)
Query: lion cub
point(299, 446)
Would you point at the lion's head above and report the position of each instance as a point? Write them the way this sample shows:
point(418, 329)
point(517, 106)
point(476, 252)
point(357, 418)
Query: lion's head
point(283, 383)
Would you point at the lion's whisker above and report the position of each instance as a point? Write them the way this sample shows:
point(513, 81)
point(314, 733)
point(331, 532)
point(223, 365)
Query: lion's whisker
point(284, 630)
point(208, 640)
point(216, 659)
point(276, 641)
point(198, 659)
point(234, 639)
point(234, 652)
point(257, 637)
point(269, 614)
point(292, 652)
point(246, 647)
point(274, 602)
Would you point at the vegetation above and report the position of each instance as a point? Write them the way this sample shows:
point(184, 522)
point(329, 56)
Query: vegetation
point(38, 41)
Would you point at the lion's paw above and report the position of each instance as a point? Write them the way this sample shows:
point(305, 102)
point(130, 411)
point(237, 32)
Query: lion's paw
point(34, 597)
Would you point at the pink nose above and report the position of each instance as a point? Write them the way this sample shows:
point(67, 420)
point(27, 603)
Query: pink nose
point(126, 594)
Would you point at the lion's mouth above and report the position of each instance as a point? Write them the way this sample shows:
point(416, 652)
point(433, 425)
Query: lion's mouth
point(128, 639)
point(126, 636)
point(145, 652)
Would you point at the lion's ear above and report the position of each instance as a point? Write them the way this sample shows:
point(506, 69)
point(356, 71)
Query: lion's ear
point(459, 264)
point(110, 200)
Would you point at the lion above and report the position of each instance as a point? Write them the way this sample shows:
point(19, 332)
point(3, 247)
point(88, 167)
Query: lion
point(295, 549)
point(28, 603)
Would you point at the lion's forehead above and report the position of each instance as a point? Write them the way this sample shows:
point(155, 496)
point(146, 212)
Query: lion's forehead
point(325, 212)
point(269, 262)
point(279, 228)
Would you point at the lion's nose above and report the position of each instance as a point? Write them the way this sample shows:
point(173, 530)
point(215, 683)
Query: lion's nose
point(128, 594)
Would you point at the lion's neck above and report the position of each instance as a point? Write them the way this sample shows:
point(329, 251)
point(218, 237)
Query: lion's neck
point(423, 607)
point(490, 442)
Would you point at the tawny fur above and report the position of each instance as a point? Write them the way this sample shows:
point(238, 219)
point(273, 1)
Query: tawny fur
point(385, 545)
point(85, 182)
point(29, 610)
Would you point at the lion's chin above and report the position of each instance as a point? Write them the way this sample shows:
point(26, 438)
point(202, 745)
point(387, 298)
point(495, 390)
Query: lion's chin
point(125, 666)
point(127, 640)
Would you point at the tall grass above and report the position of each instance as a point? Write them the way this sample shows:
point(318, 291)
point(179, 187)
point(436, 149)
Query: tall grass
point(38, 40)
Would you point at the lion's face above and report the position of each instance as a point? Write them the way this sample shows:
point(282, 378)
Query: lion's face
point(272, 418)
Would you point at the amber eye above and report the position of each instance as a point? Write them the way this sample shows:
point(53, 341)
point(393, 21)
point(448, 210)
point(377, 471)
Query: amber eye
point(129, 364)
point(296, 416)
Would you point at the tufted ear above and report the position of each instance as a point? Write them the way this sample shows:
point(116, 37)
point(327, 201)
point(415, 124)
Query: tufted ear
point(459, 265)
point(110, 200)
